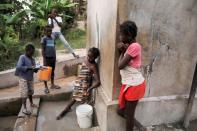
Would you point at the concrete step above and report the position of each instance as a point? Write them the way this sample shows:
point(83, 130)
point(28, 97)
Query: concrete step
point(13, 93)
point(47, 118)
point(91, 129)
point(27, 123)
point(34, 111)
point(10, 101)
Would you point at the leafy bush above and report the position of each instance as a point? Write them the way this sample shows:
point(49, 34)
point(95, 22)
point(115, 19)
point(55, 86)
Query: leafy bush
point(18, 25)
point(75, 37)
point(10, 49)
point(9, 57)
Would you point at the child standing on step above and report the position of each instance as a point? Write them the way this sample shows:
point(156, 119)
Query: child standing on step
point(49, 55)
point(88, 79)
point(55, 22)
point(25, 70)
point(133, 83)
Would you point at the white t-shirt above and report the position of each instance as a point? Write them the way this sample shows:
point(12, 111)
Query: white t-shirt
point(56, 27)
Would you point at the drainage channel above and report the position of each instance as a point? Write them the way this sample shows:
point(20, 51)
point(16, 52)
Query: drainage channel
point(44, 118)
point(8, 114)
point(51, 107)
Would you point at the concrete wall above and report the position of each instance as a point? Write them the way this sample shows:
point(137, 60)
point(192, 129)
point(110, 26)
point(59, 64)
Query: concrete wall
point(150, 111)
point(102, 16)
point(8, 79)
point(168, 35)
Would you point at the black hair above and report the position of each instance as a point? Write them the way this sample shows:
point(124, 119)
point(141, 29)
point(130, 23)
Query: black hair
point(29, 47)
point(129, 28)
point(95, 52)
point(55, 10)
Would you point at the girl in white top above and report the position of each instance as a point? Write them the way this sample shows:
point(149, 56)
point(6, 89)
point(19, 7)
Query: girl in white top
point(55, 22)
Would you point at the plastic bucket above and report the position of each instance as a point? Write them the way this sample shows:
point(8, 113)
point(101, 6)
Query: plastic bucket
point(84, 115)
point(45, 74)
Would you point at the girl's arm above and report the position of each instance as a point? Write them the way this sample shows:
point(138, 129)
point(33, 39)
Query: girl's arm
point(96, 82)
point(50, 21)
point(123, 60)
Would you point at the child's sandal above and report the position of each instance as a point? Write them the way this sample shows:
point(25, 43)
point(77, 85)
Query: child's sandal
point(46, 91)
point(55, 87)
point(26, 112)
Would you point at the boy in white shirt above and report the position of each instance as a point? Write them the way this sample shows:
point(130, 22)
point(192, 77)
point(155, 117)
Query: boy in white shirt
point(55, 22)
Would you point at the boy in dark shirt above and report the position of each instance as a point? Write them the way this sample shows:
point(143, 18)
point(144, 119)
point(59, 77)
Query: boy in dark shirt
point(49, 55)
point(25, 70)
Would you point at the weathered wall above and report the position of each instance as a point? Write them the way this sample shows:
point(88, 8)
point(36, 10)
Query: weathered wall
point(8, 79)
point(167, 32)
point(168, 36)
point(102, 16)
point(150, 111)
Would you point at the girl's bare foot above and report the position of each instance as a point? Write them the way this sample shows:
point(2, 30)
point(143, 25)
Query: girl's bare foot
point(59, 117)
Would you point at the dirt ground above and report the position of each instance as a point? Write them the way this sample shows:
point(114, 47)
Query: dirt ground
point(174, 127)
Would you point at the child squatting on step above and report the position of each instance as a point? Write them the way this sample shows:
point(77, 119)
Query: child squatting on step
point(87, 80)
point(133, 83)
point(25, 70)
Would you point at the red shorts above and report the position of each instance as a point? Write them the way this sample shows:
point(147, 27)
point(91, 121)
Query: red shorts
point(133, 93)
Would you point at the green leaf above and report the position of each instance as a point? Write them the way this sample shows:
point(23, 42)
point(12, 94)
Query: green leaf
point(68, 16)
point(6, 6)
point(17, 16)
point(70, 5)
point(27, 4)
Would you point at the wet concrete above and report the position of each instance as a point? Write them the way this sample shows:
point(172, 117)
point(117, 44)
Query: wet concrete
point(7, 123)
point(47, 118)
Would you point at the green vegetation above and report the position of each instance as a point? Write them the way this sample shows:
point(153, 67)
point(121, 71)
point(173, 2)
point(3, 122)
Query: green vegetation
point(75, 37)
point(22, 22)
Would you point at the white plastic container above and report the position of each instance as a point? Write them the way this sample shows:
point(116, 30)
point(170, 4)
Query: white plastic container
point(84, 115)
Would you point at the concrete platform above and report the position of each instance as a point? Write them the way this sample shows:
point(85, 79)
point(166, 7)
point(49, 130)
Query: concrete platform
point(24, 122)
point(10, 102)
point(12, 93)
point(47, 118)
point(34, 111)
point(8, 79)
